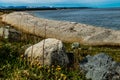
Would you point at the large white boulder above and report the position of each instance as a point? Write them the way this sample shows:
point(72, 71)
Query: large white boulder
point(53, 51)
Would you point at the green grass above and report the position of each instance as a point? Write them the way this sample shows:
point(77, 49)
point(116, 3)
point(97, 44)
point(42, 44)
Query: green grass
point(113, 51)
point(14, 67)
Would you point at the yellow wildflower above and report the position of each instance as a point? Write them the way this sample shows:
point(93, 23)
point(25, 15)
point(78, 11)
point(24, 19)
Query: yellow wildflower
point(63, 76)
point(58, 68)
point(48, 70)
point(39, 67)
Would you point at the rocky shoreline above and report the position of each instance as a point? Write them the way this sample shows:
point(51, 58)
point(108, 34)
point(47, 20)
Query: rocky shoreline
point(65, 31)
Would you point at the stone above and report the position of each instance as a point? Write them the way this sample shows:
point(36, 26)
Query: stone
point(53, 51)
point(14, 35)
point(8, 33)
point(75, 45)
point(100, 67)
point(4, 32)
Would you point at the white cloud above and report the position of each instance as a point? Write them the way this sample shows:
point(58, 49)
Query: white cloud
point(90, 1)
point(96, 1)
point(53, 1)
point(31, 1)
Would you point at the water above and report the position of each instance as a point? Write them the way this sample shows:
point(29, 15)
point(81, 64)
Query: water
point(108, 18)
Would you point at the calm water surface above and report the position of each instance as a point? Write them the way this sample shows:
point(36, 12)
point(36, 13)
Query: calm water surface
point(108, 18)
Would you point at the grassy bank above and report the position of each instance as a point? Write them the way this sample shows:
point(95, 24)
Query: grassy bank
point(14, 66)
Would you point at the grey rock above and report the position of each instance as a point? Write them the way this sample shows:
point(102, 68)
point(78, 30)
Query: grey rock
point(8, 33)
point(53, 51)
point(75, 45)
point(100, 67)
point(14, 35)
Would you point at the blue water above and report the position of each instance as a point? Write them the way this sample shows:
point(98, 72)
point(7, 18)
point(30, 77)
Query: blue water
point(108, 18)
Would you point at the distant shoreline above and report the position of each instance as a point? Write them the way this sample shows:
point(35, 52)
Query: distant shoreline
point(51, 8)
point(47, 8)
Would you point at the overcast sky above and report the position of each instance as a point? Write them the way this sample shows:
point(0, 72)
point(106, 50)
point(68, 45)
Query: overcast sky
point(89, 3)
